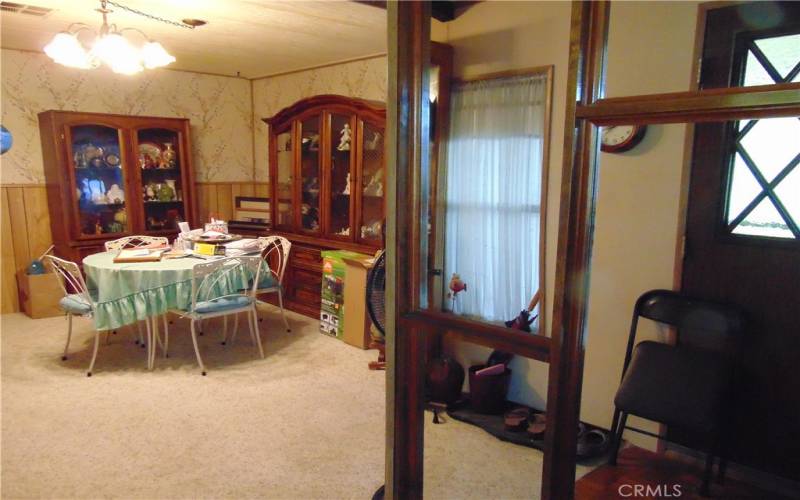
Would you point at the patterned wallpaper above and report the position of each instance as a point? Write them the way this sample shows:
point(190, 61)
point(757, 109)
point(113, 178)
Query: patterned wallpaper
point(219, 108)
point(366, 79)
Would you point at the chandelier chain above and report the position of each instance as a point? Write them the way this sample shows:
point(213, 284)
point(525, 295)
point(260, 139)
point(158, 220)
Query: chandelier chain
point(150, 16)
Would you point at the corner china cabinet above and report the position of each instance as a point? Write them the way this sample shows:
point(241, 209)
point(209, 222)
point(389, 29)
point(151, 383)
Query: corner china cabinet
point(326, 162)
point(110, 176)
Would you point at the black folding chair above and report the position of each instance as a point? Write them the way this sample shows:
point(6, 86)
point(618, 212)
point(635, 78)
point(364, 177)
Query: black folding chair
point(687, 385)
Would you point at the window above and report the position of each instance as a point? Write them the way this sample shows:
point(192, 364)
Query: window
point(764, 187)
point(493, 194)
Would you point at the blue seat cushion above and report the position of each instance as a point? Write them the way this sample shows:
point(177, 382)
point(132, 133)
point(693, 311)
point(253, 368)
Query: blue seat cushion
point(222, 304)
point(75, 304)
point(267, 281)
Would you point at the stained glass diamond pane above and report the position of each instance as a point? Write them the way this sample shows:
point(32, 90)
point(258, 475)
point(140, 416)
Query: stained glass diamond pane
point(788, 191)
point(764, 220)
point(772, 144)
point(744, 188)
point(755, 74)
point(783, 52)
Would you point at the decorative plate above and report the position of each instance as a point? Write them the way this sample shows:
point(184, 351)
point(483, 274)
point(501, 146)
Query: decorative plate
point(222, 239)
point(149, 155)
point(112, 160)
point(90, 152)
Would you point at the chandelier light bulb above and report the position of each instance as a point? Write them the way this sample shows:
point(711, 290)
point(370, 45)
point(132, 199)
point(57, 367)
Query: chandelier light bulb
point(115, 51)
point(66, 50)
point(155, 56)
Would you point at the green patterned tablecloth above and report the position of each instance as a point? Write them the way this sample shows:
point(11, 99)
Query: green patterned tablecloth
point(130, 292)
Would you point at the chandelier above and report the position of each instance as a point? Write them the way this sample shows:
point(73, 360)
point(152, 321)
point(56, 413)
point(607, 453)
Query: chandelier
point(109, 46)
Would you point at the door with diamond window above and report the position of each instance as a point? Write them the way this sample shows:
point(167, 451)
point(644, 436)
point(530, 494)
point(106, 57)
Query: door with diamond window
point(742, 228)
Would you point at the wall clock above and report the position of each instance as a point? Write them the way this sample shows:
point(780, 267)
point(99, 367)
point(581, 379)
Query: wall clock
point(616, 139)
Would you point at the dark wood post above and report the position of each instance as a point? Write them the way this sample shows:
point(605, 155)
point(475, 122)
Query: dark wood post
point(407, 134)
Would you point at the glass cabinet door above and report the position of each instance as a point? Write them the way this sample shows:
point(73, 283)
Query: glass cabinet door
point(99, 179)
point(159, 160)
point(342, 140)
point(310, 178)
point(283, 188)
point(372, 181)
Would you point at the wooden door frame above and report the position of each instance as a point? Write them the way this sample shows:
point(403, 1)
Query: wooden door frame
point(407, 132)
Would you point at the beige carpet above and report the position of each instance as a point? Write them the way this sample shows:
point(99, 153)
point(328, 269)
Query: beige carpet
point(305, 422)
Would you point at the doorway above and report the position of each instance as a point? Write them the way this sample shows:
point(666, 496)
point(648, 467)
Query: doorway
point(742, 238)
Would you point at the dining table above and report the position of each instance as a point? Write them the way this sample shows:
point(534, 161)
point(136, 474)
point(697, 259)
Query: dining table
point(128, 292)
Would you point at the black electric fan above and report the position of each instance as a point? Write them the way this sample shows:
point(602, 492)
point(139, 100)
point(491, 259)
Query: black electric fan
point(376, 308)
point(376, 293)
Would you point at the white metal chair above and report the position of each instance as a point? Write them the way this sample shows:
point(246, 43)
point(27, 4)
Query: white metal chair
point(139, 241)
point(275, 253)
point(79, 302)
point(136, 242)
point(208, 279)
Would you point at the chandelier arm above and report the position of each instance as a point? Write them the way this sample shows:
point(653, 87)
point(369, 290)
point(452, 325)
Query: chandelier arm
point(138, 31)
point(81, 27)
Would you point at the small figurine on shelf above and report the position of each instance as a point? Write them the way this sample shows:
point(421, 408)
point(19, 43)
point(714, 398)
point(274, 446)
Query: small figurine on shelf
point(150, 192)
point(168, 156)
point(165, 193)
point(344, 141)
point(345, 231)
point(115, 194)
point(98, 228)
point(372, 144)
point(456, 285)
point(347, 185)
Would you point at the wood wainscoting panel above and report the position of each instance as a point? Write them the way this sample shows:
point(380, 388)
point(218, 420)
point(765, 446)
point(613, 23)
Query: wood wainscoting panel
point(25, 226)
point(24, 235)
point(219, 198)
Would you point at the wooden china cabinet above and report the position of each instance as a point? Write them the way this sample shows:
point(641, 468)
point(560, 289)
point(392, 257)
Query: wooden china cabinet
point(110, 176)
point(326, 162)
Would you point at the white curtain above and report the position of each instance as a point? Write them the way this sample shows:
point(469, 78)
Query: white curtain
point(493, 194)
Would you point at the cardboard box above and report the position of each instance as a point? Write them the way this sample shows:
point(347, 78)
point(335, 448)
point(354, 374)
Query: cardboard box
point(356, 321)
point(39, 294)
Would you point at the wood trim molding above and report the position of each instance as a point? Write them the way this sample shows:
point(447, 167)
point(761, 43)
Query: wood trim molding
point(374, 109)
point(407, 134)
point(497, 337)
point(532, 71)
point(589, 27)
point(723, 104)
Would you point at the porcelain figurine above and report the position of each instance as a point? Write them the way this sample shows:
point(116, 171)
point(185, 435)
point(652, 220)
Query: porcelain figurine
point(115, 194)
point(165, 193)
point(168, 156)
point(344, 140)
point(347, 185)
point(150, 192)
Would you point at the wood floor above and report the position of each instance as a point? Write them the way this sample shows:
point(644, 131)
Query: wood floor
point(666, 477)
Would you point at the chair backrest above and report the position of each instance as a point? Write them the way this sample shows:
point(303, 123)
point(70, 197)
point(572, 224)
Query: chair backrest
point(136, 242)
point(699, 323)
point(69, 276)
point(223, 277)
point(275, 252)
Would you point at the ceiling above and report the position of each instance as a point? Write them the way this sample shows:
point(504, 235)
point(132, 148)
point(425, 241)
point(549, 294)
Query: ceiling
point(252, 38)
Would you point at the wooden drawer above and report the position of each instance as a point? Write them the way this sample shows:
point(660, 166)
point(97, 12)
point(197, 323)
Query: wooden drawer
point(306, 255)
point(308, 280)
point(307, 297)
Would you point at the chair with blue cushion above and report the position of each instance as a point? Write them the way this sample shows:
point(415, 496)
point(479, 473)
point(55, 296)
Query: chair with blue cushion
point(77, 300)
point(140, 241)
point(211, 295)
point(275, 252)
